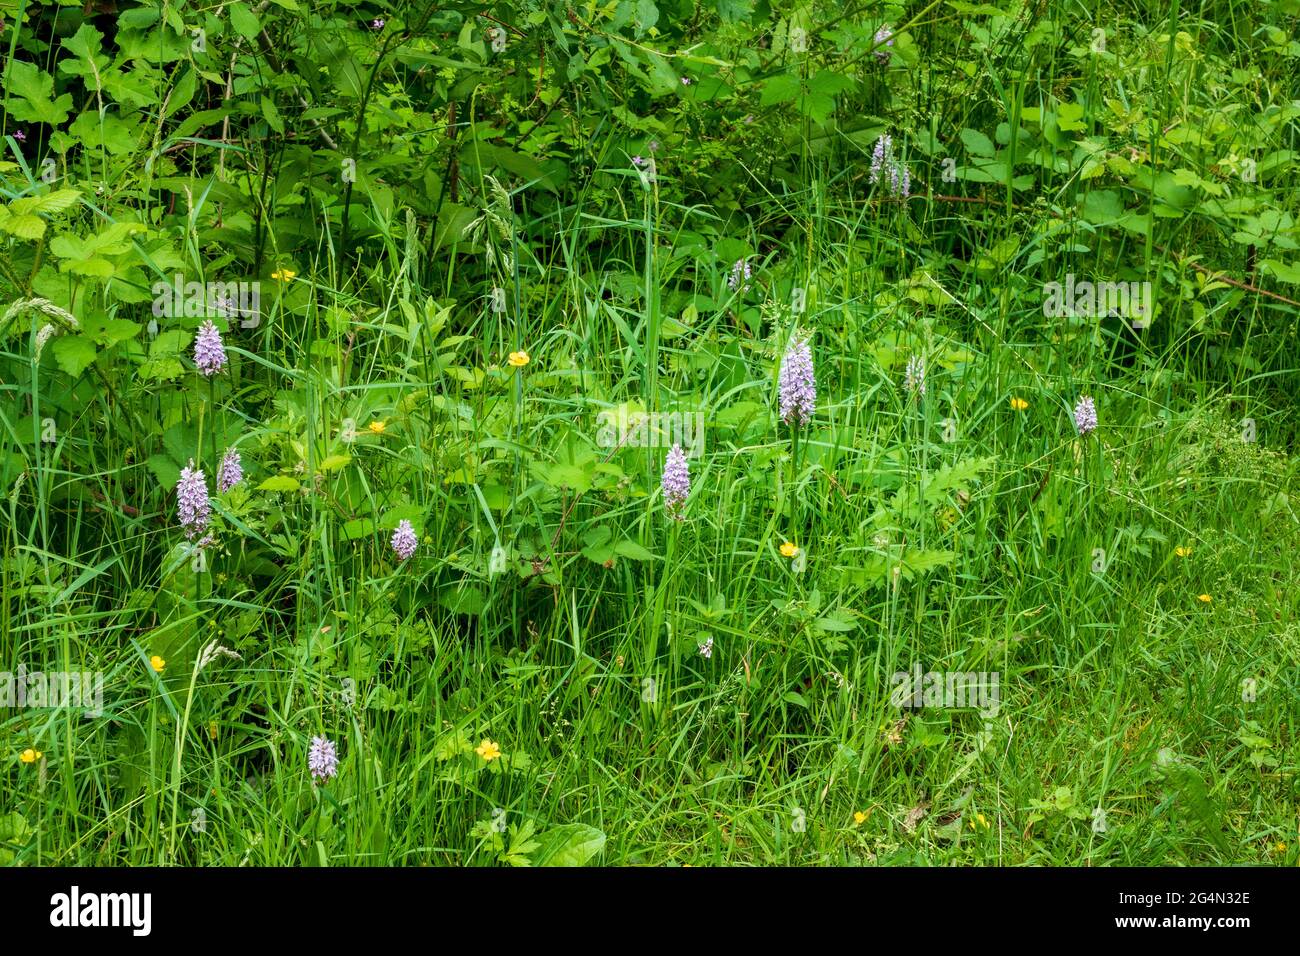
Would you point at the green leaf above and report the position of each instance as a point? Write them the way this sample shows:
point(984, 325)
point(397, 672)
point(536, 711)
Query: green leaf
point(485, 155)
point(780, 89)
point(272, 114)
point(1069, 117)
point(60, 200)
point(1284, 272)
point(358, 528)
point(462, 600)
point(90, 62)
point(24, 226)
point(734, 11)
point(108, 131)
point(244, 21)
point(108, 332)
point(28, 92)
point(977, 144)
point(572, 844)
point(165, 470)
point(1102, 206)
point(633, 551)
point(74, 353)
point(562, 475)
point(279, 483)
point(830, 82)
point(14, 834)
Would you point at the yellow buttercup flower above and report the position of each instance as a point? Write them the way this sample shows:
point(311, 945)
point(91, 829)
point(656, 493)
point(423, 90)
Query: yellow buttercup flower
point(1205, 599)
point(519, 359)
point(283, 275)
point(1182, 551)
point(30, 755)
point(982, 821)
point(1279, 847)
point(157, 663)
point(488, 750)
point(789, 549)
point(1019, 404)
point(378, 427)
point(859, 818)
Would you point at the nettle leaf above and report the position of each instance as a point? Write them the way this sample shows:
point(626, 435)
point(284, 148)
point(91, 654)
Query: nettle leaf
point(57, 201)
point(783, 88)
point(830, 82)
point(28, 95)
point(74, 353)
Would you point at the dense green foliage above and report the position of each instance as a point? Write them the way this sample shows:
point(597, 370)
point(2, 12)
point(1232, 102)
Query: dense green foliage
point(418, 193)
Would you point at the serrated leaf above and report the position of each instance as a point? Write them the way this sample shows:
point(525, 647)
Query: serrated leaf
point(782, 88)
point(73, 353)
point(24, 226)
point(60, 200)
